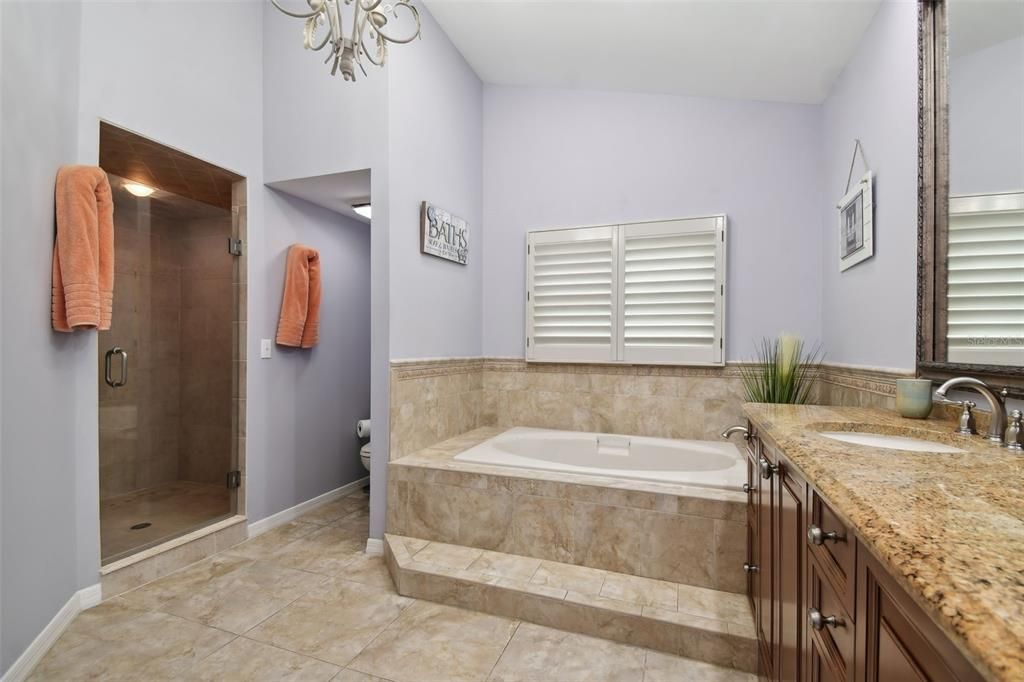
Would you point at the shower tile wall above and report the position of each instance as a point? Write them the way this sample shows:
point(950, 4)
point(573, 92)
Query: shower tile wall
point(172, 314)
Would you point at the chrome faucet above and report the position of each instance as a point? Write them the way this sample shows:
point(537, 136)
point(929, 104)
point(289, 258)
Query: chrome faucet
point(996, 403)
point(735, 429)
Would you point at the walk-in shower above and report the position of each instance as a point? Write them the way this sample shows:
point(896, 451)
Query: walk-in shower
point(170, 366)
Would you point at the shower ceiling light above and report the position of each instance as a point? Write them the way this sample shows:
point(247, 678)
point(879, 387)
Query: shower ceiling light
point(138, 189)
point(369, 25)
point(362, 209)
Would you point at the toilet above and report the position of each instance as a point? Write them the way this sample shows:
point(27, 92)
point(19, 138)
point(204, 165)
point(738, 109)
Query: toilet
point(364, 455)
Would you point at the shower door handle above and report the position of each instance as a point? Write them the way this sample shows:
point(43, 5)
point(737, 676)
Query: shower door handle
point(116, 350)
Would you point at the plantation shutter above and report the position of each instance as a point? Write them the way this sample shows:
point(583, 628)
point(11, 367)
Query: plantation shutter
point(571, 314)
point(672, 291)
point(985, 303)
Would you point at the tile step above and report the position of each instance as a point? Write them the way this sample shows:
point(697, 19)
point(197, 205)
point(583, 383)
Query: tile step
point(694, 622)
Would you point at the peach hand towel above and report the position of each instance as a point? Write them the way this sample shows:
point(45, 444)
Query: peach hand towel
point(82, 290)
point(299, 325)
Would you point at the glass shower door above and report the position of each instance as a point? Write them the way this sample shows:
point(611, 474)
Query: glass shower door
point(165, 371)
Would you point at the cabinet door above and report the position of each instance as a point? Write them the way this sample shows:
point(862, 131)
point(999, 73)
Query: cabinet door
point(789, 547)
point(896, 640)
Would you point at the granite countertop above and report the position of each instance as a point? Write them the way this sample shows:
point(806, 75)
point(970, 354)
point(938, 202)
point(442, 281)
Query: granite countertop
point(950, 527)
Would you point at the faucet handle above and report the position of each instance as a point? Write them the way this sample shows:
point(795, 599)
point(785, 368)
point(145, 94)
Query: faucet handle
point(1013, 432)
point(966, 418)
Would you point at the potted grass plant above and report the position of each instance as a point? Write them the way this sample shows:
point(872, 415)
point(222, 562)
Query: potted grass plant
point(783, 371)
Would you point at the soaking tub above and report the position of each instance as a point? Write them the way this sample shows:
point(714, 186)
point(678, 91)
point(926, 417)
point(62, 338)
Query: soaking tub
point(708, 464)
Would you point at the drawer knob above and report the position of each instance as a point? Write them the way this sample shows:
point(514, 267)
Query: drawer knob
point(750, 568)
point(768, 469)
point(818, 621)
point(817, 536)
point(747, 488)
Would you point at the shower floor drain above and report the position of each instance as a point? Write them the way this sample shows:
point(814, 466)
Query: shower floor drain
point(140, 526)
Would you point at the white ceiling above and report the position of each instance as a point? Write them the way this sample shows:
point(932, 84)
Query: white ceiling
point(787, 51)
point(335, 191)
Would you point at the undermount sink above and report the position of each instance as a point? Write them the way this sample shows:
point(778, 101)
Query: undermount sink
point(877, 440)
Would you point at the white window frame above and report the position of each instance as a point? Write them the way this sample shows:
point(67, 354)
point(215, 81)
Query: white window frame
point(618, 353)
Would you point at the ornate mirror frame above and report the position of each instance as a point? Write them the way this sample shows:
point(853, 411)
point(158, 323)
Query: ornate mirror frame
point(933, 209)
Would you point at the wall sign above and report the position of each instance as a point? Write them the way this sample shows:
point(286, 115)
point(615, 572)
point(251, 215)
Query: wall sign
point(442, 234)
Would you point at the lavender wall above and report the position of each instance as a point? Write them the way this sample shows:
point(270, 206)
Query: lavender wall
point(986, 119)
point(435, 122)
point(339, 127)
point(560, 158)
point(49, 379)
point(869, 312)
point(317, 394)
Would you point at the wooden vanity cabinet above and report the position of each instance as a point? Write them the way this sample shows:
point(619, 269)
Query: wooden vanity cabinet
point(870, 629)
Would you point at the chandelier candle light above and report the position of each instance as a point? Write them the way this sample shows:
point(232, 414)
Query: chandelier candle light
point(369, 24)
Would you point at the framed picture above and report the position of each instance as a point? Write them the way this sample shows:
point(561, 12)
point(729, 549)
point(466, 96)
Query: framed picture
point(442, 234)
point(856, 224)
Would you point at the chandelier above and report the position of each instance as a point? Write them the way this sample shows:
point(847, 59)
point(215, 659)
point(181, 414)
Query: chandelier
point(369, 28)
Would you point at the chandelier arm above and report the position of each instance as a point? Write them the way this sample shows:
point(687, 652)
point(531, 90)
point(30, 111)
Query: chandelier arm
point(294, 14)
point(381, 54)
point(374, 4)
point(323, 43)
point(401, 41)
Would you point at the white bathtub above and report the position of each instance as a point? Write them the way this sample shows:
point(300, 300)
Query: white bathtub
point(709, 464)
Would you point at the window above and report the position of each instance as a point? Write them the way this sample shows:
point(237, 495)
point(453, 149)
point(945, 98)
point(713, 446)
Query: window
point(985, 297)
point(643, 293)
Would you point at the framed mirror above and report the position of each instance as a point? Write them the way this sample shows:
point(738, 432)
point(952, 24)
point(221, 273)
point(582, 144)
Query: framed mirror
point(971, 191)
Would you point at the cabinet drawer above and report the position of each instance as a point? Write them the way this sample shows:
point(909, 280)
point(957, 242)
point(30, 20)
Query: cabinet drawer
point(837, 552)
point(834, 644)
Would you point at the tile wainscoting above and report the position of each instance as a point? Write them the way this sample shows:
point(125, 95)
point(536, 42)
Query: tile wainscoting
point(436, 399)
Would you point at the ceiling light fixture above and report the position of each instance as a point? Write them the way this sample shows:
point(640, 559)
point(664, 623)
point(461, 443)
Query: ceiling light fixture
point(368, 25)
point(138, 189)
point(362, 209)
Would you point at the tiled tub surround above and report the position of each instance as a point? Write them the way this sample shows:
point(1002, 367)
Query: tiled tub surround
point(433, 400)
point(667, 532)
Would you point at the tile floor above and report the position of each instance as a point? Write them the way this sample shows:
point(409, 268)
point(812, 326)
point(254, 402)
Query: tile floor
point(302, 602)
point(171, 509)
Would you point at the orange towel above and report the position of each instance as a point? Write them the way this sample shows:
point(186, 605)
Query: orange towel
point(83, 254)
point(299, 325)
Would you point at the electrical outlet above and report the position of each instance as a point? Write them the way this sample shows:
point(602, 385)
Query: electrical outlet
point(266, 350)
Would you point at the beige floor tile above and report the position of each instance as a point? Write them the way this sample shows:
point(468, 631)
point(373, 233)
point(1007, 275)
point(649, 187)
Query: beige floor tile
point(326, 551)
point(368, 570)
point(335, 510)
point(349, 675)
point(642, 591)
point(540, 653)
point(242, 599)
point(580, 579)
point(727, 606)
point(333, 622)
point(357, 521)
point(450, 556)
point(264, 545)
point(505, 565)
point(185, 581)
point(247, 661)
point(435, 643)
point(115, 641)
point(667, 668)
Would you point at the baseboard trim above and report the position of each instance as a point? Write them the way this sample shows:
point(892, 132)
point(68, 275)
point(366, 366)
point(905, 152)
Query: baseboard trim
point(30, 657)
point(292, 513)
point(374, 546)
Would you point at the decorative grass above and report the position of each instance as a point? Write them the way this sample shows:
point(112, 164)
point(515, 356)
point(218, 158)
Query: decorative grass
point(783, 372)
